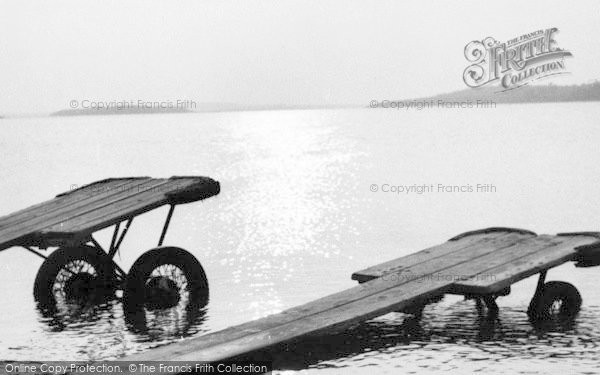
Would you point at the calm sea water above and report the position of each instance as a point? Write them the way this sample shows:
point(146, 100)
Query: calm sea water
point(297, 215)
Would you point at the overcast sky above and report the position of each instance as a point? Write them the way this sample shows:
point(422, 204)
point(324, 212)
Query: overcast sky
point(267, 52)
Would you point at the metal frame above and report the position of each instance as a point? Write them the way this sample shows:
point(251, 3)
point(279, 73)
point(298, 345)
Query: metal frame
point(166, 225)
point(115, 243)
point(35, 252)
point(540, 284)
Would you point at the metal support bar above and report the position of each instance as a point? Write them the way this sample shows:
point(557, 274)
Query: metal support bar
point(115, 247)
point(490, 302)
point(532, 310)
point(35, 252)
point(95, 243)
point(124, 232)
point(119, 270)
point(540, 283)
point(45, 257)
point(166, 226)
point(114, 237)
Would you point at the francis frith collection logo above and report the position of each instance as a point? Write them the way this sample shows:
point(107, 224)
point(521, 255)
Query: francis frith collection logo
point(514, 63)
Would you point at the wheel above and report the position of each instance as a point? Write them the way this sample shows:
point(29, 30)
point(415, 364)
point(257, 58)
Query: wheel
point(165, 277)
point(75, 274)
point(557, 299)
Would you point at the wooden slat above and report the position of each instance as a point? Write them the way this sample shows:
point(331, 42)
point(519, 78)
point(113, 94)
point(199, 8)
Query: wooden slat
point(68, 205)
point(430, 266)
point(25, 214)
point(509, 254)
point(341, 298)
point(378, 296)
point(81, 207)
point(502, 276)
point(330, 320)
point(366, 300)
point(75, 214)
point(477, 254)
point(433, 252)
point(133, 205)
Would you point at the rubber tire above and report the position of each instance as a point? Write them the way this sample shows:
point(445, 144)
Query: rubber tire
point(135, 288)
point(539, 308)
point(44, 280)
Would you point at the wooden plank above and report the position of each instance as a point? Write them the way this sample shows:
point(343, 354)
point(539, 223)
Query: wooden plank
point(118, 210)
point(330, 320)
point(69, 204)
point(17, 232)
point(94, 187)
point(25, 214)
point(504, 275)
point(425, 268)
point(375, 297)
point(528, 244)
point(487, 261)
point(82, 207)
point(434, 252)
point(509, 254)
point(336, 317)
point(98, 205)
point(398, 264)
point(365, 300)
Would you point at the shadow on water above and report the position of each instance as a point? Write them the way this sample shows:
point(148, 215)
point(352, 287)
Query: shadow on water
point(457, 328)
point(178, 321)
point(148, 324)
point(60, 317)
point(455, 331)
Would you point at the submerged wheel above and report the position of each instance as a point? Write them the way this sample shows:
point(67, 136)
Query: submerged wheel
point(165, 277)
point(557, 299)
point(75, 274)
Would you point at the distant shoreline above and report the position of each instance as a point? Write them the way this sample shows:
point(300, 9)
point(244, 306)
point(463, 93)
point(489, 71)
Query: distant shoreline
point(216, 108)
point(589, 92)
point(116, 111)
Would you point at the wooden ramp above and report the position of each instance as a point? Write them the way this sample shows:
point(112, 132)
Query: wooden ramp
point(505, 267)
point(485, 261)
point(76, 214)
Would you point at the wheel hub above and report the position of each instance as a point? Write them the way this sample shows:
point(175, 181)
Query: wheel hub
point(80, 286)
point(161, 292)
